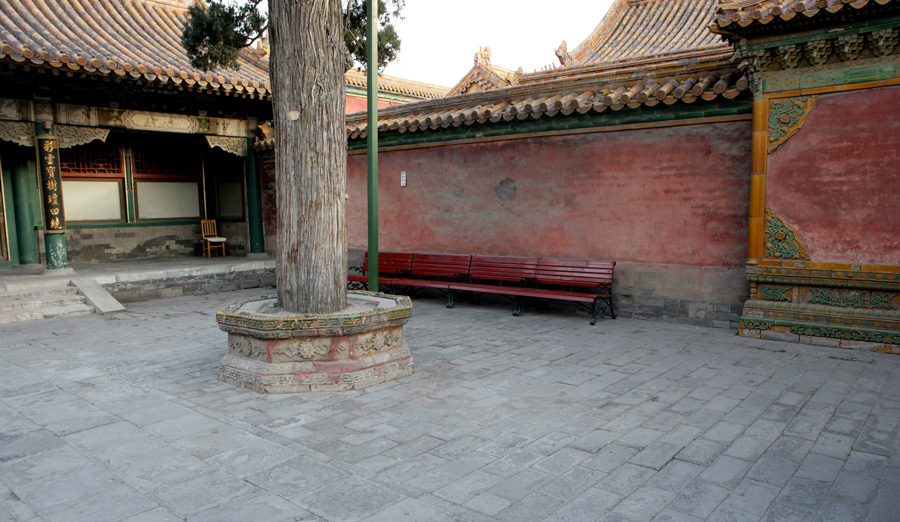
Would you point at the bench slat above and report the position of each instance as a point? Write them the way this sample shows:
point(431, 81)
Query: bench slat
point(512, 269)
point(569, 272)
point(440, 265)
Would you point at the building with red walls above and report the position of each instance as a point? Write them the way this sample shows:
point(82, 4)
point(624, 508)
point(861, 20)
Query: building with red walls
point(823, 226)
point(737, 159)
point(147, 145)
point(635, 149)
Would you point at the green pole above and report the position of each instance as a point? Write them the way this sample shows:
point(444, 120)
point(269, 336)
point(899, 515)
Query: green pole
point(254, 206)
point(23, 195)
point(372, 139)
point(47, 147)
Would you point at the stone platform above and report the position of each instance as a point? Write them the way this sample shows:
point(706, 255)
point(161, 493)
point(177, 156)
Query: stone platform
point(273, 351)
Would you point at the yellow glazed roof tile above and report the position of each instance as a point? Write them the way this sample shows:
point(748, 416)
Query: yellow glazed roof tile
point(733, 15)
point(140, 39)
point(644, 53)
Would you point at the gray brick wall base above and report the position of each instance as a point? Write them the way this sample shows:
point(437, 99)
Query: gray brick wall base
point(147, 289)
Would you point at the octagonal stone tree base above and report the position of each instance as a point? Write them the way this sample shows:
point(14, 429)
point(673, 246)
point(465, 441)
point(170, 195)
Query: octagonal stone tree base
point(273, 351)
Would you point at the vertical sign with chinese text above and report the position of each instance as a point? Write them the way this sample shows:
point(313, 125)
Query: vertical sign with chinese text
point(51, 187)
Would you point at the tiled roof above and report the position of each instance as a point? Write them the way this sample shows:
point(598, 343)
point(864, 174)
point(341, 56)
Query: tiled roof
point(397, 85)
point(736, 14)
point(137, 38)
point(644, 53)
point(485, 76)
point(596, 94)
point(640, 29)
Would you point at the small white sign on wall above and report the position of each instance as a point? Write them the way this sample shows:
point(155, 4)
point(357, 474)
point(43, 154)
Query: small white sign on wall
point(402, 178)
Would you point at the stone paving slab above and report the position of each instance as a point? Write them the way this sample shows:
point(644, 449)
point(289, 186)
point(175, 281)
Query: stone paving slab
point(539, 417)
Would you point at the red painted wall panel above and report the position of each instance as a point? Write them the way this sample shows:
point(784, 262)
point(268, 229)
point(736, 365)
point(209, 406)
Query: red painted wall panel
point(675, 196)
point(355, 104)
point(838, 179)
point(269, 195)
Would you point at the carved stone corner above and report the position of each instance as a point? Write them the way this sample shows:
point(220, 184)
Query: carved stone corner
point(782, 241)
point(236, 146)
point(71, 136)
point(18, 132)
point(786, 117)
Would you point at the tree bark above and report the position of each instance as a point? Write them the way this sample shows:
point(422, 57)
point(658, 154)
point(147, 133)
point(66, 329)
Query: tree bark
point(310, 154)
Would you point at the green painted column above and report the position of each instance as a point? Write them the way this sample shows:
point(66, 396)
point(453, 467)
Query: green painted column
point(47, 146)
point(372, 140)
point(254, 197)
point(129, 184)
point(23, 204)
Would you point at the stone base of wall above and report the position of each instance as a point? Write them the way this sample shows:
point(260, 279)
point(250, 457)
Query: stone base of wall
point(824, 304)
point(190, 284)
point(93, 245)
point(238, 237)
point(696, 295)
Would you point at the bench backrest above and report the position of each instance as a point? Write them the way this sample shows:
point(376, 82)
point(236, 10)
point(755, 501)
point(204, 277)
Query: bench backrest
point(390, 262)
point(440, 265)
point(515, 269)
point(574, 273)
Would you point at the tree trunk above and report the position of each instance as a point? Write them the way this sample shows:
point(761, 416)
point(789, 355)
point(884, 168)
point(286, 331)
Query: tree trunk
point(310, 154)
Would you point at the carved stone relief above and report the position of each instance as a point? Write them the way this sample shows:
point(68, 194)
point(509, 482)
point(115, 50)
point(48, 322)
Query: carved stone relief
point(75, 114)
point(786, 117)
point(782, 240)
point(159, 121)
point(18, 132)
point(70, 136)
point(14, 109)
point(236, 146)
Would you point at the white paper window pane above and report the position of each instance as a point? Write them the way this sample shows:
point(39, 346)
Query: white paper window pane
point(92, 200)
point(167, 200)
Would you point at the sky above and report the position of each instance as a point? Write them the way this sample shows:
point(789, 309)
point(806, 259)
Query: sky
point(439, 39)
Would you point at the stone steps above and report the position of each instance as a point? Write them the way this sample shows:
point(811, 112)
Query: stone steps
point(49, 292)
point(41, 301)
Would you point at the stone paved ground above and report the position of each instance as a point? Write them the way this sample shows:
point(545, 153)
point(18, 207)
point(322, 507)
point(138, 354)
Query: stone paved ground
point(541, 417)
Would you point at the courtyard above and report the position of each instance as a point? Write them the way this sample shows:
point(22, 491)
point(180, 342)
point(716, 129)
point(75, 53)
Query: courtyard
point(539, 417)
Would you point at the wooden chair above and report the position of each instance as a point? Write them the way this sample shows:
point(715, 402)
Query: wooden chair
point(210, 239)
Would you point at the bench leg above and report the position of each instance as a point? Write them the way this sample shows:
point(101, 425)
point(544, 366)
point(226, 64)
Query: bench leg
point(520, 305)
point(450, 299)
point(612, 311)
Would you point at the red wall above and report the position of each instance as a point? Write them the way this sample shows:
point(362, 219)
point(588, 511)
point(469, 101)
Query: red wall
point(269, 195)
point(676, 196)
point(355, 104)
point(837, 181)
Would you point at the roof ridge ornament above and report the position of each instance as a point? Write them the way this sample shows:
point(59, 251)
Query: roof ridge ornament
point(483, 56)
point(262, 47)
point(562, 52)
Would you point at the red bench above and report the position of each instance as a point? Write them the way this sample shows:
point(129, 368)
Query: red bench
point(587, 282)
point(496, 275)
point(584, 282)
point(577, 281)
point(391, 265)
point(435, 271)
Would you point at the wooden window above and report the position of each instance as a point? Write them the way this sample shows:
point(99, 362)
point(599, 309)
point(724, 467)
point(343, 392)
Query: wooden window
point(162, 200)
point(168, 173)
point(93, 182)
point(93, 200)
